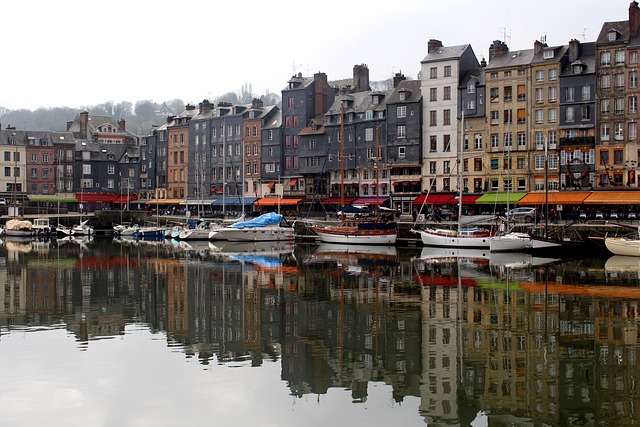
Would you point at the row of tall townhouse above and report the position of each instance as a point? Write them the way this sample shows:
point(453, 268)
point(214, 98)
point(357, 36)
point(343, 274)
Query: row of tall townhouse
point(551, 117)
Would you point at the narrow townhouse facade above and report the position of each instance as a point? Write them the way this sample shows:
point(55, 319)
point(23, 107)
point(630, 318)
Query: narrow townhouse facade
point(13, 179)
point(313, 158)
point(508, 89)
point(304, 99)
point(254, 118)
point(155, 146)
point(617, 49)
point(441, 72)
point(271, 138)
point(578, 117)
point(40, 163)
point(227, 156)
point(64, 149)
point(199, 153)
point(544, 159)
point(473, 106)
point(178, 154)
point(401, 147)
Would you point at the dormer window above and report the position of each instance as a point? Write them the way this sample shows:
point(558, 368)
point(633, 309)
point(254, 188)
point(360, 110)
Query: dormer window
point(471, 88)
point(403, 96)
point(547, 54)
point(612, 35)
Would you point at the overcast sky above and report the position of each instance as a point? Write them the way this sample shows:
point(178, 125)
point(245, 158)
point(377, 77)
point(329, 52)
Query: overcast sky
point(77, 53)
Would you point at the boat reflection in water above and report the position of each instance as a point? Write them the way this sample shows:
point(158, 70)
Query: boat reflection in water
point(435, 337)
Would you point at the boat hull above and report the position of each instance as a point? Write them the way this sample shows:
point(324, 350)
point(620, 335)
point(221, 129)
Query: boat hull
point(448, 239)
point(255, 234)
point(510, 242)
point(622, 246)
point(353, 235)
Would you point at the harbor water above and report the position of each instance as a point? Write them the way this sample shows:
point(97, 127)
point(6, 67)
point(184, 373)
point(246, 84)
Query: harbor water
point(108, 332)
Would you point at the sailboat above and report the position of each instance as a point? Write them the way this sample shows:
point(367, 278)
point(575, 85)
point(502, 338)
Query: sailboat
point(369, 232)
point(475, 237)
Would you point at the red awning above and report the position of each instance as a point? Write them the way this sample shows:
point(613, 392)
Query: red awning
point(96, 197)
point(469, 199)
point(435, 199)
point(293, 182)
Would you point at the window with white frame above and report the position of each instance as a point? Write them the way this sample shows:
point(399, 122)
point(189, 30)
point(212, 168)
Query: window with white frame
point(368, 134)
point(539, 162)
point(86, 169)
point(569, 114)
point(471, 88)
point(605, 81)
point(618, 131)
point(494, 140)
point(633, 104)
point(605, 131)
point(553, 94)
point(547, 54)
point(619, 81)
point(402, 131)
point(540, 75)
point(633, 131)
point(401, 111)
point(368, 115)
point(539, 140)
point(522, 139)
point(553, 72)
point(552, 161)
point(633, 79)
point(605, 106)
point(605, 58)
point(478, 141)
point(619, 57)
point(111, 169)
point(553, 115)
point(539, 116)
point(552, 138)
point(402, 151)
point(619, 105)
point(570, 94)
point(539, 95)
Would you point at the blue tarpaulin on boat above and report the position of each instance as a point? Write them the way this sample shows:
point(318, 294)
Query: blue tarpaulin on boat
point(270, 218)
point(261, 260)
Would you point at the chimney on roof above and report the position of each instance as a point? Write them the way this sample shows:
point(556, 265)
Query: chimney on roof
point(84, 123)
point(483, 62)
point(497, 48)
point(361, 78)
point(257, 103)
point(205, 106)
point(122, 124)
point(433, 44)
point(574, 50)
point(190, 107)
point(399, 77)
point(321, 93)
point(170, 119)
point(634, 18)
point(538, 46)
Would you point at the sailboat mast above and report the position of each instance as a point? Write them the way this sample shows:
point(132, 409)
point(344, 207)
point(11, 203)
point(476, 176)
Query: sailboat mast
point(377, 175)
point(341, 157)
point(224, 164)
point(460, 153)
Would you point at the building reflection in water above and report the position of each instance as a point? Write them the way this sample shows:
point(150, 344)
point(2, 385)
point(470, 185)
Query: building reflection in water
point(525, 340)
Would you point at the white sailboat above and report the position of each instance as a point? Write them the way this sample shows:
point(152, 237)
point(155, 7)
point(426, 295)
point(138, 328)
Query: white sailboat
point(475, 237)
point(623, 245)
point(372, 232)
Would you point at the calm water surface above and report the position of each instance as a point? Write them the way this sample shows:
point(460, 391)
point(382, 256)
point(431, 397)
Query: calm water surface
point(111, 333)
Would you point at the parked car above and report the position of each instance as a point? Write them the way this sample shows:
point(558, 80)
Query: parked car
point(523, 214)
point(354, 211)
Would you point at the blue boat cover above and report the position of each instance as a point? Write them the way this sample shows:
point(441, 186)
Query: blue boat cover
point(260, 260)
point(263, 220)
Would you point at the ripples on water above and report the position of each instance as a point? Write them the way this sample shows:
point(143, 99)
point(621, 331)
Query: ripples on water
point(144, 333)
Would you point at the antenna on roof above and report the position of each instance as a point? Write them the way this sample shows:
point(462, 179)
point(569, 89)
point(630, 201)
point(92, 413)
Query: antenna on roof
point(506, 38)
point(583, 35)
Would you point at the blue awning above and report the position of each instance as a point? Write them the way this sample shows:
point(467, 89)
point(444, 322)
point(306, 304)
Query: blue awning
point(234, 201)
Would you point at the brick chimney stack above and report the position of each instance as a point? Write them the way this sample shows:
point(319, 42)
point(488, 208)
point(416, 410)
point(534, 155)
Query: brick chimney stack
point(497, 48)
point(634, 18)
point(321, 93)
point(257, 103)
point(84, 123)
point(122, 124)
point(433, 44)
point(361, 78)
point(399, 77)
point(205, 106)
point(574, 50)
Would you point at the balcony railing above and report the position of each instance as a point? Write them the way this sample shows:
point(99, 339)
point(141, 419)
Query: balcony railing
point(578, 140)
